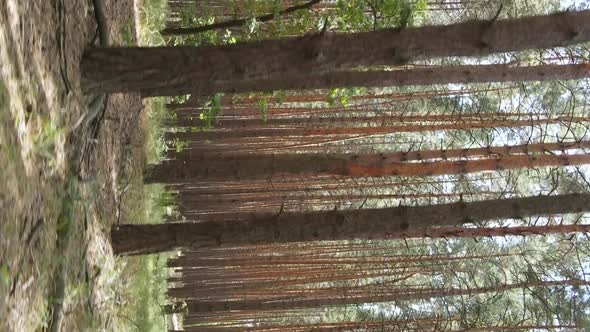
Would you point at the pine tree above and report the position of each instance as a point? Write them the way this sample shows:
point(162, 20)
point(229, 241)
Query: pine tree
point(255, 166)
point(178, 70)
point(335, 225)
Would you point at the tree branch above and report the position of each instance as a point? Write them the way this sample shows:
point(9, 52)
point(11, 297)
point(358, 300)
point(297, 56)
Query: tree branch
point(235, 23)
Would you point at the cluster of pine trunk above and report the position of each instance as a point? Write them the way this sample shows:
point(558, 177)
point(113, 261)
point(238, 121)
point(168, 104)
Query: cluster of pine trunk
point(228, 288)
point(284, 215)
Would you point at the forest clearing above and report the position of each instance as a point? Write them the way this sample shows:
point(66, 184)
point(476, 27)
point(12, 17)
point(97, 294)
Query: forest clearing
point(292, 165)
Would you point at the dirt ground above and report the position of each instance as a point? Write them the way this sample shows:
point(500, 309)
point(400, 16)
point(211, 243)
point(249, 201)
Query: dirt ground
point(65, 177)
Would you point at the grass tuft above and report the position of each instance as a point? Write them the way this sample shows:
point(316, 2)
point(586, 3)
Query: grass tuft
point(153, 14)
point(146, 275)
point(155, 146)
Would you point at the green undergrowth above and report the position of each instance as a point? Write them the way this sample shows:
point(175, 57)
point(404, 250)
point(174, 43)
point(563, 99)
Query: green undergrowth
point(153, 15)
point(149, 273)
point(146, 293)
point(145, 276)
point(149, 292)
point(155, 146)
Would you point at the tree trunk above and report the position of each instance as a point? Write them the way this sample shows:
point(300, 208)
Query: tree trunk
point(251, 167)
point(374, 130)
point(384, 223)
point(300, 303)
point(323, 120)
point(179, 70)
point(427, 76)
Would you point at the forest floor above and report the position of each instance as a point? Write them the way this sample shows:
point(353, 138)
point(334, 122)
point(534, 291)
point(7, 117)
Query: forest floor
point(65, 176)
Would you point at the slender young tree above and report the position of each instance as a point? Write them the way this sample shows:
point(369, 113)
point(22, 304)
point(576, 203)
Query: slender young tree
point(362, 128)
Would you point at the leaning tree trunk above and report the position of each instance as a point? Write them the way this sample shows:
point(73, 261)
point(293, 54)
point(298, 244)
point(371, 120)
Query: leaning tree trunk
point(398, 222)
point(179, 70)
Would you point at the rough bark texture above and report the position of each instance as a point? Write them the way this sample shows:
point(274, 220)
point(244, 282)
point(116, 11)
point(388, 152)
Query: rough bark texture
point(423, 76)
point(335, 225)
point(178, 70)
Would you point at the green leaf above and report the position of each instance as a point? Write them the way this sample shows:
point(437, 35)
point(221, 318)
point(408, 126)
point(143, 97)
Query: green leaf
point(334, 93)
point(4, 275)
point(344, 100)
point(280, 96)
point(263, 104)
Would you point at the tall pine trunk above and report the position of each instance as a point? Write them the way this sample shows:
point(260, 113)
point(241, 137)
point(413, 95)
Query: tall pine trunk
point(398, 127)
point(248, 167)
point(179, 70)
point(385, 223)
point(423, 76)
point(301, 303)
